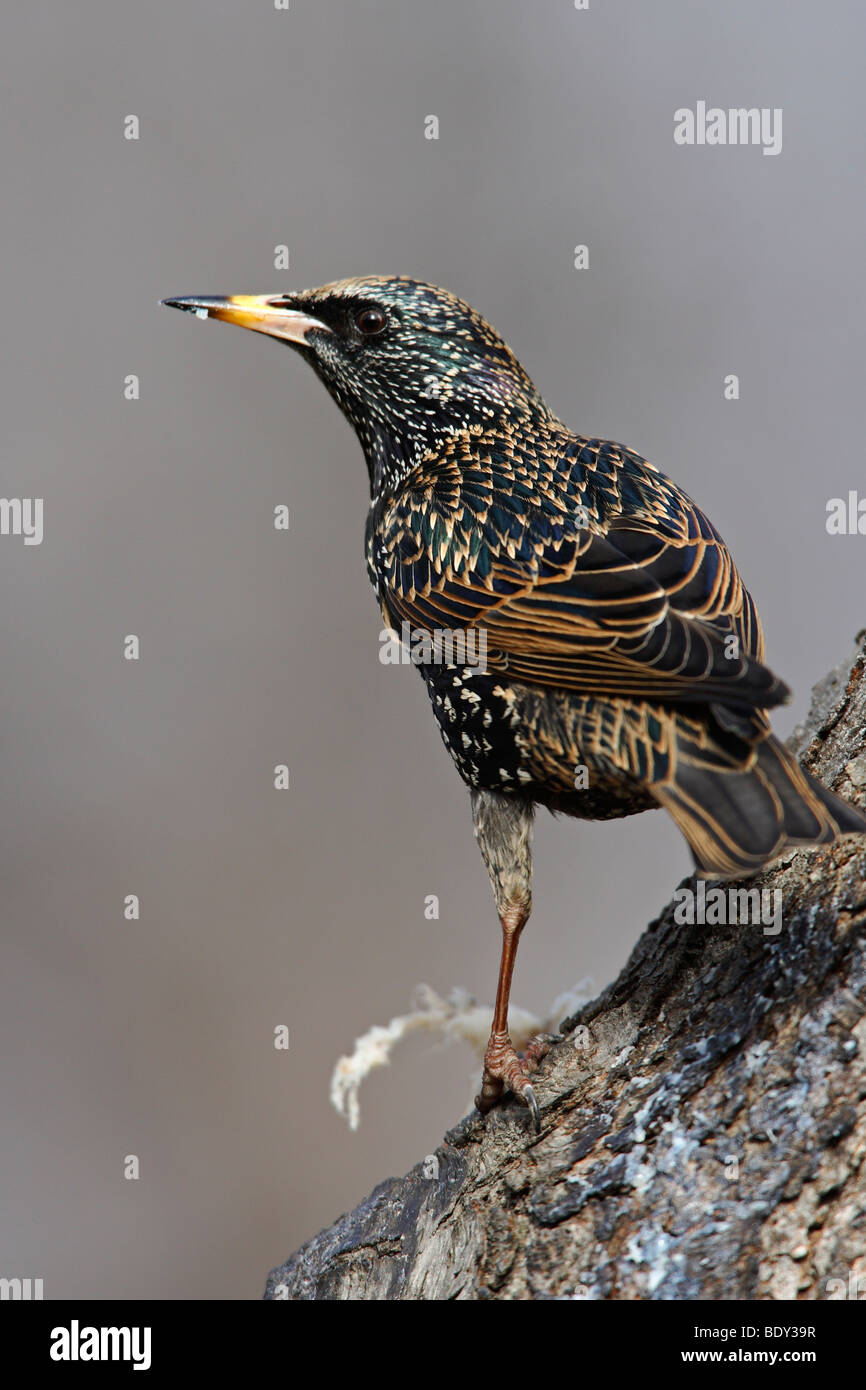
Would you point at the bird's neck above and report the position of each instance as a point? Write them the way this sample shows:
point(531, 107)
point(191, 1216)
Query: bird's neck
point(391, 452)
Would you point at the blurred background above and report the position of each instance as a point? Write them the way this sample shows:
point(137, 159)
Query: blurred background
point(305, 128)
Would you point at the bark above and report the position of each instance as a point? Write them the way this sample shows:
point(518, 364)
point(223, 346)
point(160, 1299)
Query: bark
point(703, 1126)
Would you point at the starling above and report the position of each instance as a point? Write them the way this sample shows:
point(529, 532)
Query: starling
point(623, 657)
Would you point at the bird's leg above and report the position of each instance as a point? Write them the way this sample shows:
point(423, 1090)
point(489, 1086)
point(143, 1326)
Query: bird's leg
point(503, 829)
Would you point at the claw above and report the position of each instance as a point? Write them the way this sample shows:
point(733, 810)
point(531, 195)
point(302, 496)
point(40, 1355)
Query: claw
point(505, 1070)
point(529, 1097)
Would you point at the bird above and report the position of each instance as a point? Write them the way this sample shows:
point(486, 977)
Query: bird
point(623, 657)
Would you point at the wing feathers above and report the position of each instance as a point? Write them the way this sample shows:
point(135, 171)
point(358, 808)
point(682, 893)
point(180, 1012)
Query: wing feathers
point(576, 590)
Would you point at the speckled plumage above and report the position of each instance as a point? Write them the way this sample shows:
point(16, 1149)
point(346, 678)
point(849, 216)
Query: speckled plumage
point(624, 664)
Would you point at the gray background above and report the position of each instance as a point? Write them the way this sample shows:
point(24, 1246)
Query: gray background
point(306, 908)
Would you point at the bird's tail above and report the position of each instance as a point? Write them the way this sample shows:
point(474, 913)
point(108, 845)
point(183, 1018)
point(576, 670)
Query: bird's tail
point(738, 817)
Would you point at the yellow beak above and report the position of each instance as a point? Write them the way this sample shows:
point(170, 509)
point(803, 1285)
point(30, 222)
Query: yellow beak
point(261, 313)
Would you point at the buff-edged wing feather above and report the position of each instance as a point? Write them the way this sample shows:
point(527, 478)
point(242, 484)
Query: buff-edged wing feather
point(589, 570)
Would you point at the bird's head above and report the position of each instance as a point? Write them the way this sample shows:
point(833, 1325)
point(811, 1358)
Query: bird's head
point(407, 363)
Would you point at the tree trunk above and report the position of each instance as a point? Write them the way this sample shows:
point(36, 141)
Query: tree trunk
point(702, 1136)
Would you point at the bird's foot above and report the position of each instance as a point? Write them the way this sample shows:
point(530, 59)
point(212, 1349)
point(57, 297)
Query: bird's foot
point(506, 1070)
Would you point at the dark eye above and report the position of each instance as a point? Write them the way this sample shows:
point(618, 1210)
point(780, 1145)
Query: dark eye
point(370, 321)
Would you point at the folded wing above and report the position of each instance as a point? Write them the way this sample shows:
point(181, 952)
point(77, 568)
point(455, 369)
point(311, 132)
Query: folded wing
point(589, 570)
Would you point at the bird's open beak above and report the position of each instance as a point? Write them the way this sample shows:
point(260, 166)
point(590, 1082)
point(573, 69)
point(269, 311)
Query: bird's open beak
point(260, 312)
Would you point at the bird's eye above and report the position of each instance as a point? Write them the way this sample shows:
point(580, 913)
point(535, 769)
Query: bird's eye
point(370, 321)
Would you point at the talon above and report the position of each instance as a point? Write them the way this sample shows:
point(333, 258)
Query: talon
point(529, 1097)
point(505, 1071)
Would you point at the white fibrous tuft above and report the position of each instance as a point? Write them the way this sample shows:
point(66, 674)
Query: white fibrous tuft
point(458, 1018)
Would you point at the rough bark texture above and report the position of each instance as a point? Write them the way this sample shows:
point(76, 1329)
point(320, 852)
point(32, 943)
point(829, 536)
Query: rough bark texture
point(703, 1126)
